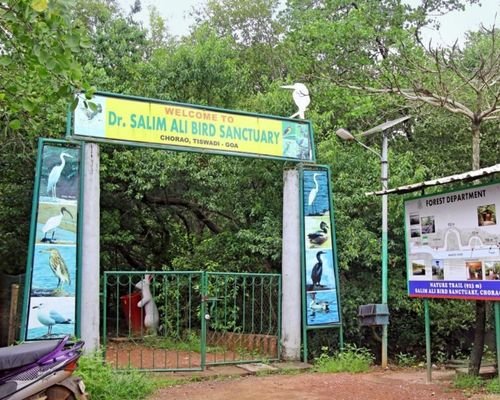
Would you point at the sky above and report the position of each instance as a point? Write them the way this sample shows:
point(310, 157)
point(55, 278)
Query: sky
point(453, 25)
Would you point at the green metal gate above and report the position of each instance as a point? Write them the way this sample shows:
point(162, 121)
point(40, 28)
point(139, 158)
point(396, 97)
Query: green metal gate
point(204, 319)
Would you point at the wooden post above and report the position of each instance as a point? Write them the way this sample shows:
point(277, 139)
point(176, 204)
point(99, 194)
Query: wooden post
point(13, 319)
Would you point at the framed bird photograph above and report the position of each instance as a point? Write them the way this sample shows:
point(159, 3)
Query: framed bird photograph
point(50, 304)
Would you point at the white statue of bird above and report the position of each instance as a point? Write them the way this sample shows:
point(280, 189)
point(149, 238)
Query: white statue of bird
point(301, 98)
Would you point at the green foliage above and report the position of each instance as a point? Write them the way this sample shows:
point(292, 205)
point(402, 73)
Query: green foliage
point(39, 70)
point(105, 383)
point(406, 360)
point(474, 384)
point(493, 386)
point(351, 359)
point(469, 382)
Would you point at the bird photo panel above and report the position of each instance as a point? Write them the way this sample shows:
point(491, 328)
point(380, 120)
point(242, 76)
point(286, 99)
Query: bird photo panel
point(52, 277)
point(319, 261)
point(59, 174)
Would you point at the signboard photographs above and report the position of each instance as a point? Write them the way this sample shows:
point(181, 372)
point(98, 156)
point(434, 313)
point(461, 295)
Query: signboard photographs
point(453, 244)
point(52, 292)
point(321, 286)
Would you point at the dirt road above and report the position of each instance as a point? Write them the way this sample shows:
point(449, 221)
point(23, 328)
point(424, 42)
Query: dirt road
point(374, 385)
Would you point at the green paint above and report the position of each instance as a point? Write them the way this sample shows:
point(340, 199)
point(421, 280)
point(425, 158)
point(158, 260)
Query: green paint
point(428, 340)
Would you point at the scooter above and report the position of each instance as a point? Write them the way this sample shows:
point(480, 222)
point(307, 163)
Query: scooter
point(41, 371)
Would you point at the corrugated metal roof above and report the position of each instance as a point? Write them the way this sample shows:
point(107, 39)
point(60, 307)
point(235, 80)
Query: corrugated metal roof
point(466, 176)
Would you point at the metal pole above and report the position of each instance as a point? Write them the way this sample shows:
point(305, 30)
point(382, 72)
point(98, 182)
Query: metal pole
point(497, 333)
point(428, 340)
point(385, 177)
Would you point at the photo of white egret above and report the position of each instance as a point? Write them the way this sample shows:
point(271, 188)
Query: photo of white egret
point(316, 193)
point(60, 176)
point(50, 318)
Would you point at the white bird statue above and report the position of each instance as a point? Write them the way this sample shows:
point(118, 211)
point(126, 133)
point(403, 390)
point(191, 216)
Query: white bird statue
point(49, 318)
point(55, 174)
point(52, 223)
point(300, 97)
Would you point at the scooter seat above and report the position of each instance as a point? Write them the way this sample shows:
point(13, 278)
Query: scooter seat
point(25, 353)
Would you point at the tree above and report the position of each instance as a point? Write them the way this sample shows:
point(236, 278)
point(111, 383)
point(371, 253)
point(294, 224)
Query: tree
point(375, 48)
point(461, 82)
point(39, 43)
point(465, 87)
point(256, 33)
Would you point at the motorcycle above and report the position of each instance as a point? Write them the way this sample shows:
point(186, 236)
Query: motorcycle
point(41, 371)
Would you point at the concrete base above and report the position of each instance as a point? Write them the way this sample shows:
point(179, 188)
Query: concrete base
point(257, 367)
point(487, 372)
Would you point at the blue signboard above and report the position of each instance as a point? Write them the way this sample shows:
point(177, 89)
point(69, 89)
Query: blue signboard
point(319, 261)
point(51, 287)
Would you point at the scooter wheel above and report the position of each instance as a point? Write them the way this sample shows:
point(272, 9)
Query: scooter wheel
point(59, 393)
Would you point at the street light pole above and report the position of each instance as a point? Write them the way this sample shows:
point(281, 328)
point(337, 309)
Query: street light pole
point(385, 253)
point(384, 165)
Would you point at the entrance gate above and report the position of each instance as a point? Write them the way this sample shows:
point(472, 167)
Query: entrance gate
point(206, 318)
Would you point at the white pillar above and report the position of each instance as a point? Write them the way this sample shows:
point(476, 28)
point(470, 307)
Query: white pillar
point(89, 299)
point(291, 274)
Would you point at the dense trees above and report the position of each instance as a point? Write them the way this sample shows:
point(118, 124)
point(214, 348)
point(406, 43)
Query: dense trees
point(363, 62)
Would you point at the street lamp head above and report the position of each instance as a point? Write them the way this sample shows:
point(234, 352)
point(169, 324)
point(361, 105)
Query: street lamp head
point(386, 125)
point(345, 134)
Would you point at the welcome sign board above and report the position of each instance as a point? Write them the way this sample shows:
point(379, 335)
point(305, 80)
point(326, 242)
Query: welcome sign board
point(178, 126)
point(453, 244)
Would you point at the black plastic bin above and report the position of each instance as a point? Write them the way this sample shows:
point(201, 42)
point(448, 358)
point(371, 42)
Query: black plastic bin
point(373, 314)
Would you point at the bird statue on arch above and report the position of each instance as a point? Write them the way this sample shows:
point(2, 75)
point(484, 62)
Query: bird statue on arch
point(301, 98)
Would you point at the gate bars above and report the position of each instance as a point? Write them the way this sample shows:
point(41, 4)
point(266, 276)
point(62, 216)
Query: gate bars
point(205, 318)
